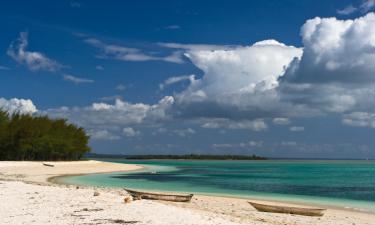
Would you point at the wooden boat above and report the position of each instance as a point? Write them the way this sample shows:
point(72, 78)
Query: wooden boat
point(158, 196)
point(46, 164)
point(288, 209)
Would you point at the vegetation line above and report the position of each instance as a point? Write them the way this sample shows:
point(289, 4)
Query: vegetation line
point(30, 137)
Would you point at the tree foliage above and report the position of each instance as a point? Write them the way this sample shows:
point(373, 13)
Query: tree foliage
point(28, 137)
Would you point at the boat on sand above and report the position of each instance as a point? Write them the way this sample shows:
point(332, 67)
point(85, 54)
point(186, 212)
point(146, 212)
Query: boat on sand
point(137, 195)
point(46, 164)
point(288, 209)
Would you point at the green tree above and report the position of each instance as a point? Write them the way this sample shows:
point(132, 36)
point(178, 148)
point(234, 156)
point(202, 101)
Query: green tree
point(29, 137)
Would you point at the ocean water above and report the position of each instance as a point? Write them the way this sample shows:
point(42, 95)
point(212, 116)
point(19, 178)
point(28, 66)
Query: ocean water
point(348, 184)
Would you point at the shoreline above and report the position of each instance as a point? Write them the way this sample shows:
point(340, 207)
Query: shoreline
point(54, 179)
point(263, 199)
point(233, 209)
point(35, 172)
point(271, 200)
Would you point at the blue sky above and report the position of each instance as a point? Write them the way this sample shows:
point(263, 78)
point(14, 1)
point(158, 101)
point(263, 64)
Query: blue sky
point(275, 78)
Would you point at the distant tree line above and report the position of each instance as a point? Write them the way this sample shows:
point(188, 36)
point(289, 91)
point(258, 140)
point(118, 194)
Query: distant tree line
point(29, 137)
point(186, 157)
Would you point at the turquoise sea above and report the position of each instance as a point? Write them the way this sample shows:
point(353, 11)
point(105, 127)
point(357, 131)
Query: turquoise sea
point(347, 184)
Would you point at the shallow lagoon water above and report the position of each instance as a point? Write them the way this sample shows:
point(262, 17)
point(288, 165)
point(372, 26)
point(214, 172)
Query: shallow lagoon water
point(349, 184)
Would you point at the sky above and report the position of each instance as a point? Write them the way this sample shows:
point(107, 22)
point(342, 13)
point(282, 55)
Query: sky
point(289, 79)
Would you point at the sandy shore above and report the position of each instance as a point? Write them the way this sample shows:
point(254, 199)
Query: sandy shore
point(27, 197)
point(37, 173)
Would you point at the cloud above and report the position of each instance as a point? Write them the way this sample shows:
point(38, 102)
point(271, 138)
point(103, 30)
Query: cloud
point(244, 86)
point(256, 125)
point(332, 73)
point(347, 10)
point(35, 61)
point(296, 129)
point(177, 79)
point(238, 83)
point(110, 51)
point(281, 121)
point(244, 69)
point(121, 87)
point(110, 98)
point(336, 70)
point(236, 91)
point(130, 132)
point(114, 116)
point(184, 132)
point(15, 105)
point(103, 135)
point(77, 80)
point(367, 5)
point(250, 144)
point(196, 47)
point(359, 119)
point(336, 51)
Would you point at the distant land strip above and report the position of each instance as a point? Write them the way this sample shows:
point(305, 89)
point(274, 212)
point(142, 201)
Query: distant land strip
point(187, 157)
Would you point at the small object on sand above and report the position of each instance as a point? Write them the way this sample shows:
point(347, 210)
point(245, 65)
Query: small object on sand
point(46, 164)
point(96, 193)
point(137, 195)
point(77, 187)
point(89, 210)
point(119, 221)
point(287, 209)
point(128, 199)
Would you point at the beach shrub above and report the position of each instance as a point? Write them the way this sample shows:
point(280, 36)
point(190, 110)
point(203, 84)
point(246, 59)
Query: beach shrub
point(30, 137)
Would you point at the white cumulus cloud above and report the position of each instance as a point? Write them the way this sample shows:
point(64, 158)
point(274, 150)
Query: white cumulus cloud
point(337, 51)
point(336, 71)
point(238, 83)
point(15, 105)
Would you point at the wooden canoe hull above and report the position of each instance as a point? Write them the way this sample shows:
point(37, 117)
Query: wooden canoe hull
point(287, 209)
point(46, 164)
point(158, 196)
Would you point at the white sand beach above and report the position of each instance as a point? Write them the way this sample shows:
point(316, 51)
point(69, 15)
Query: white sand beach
point(28, 197)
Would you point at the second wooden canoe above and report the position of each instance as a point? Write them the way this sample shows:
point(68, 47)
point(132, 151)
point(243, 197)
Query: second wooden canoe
point(288, 209)
point(159, 196)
